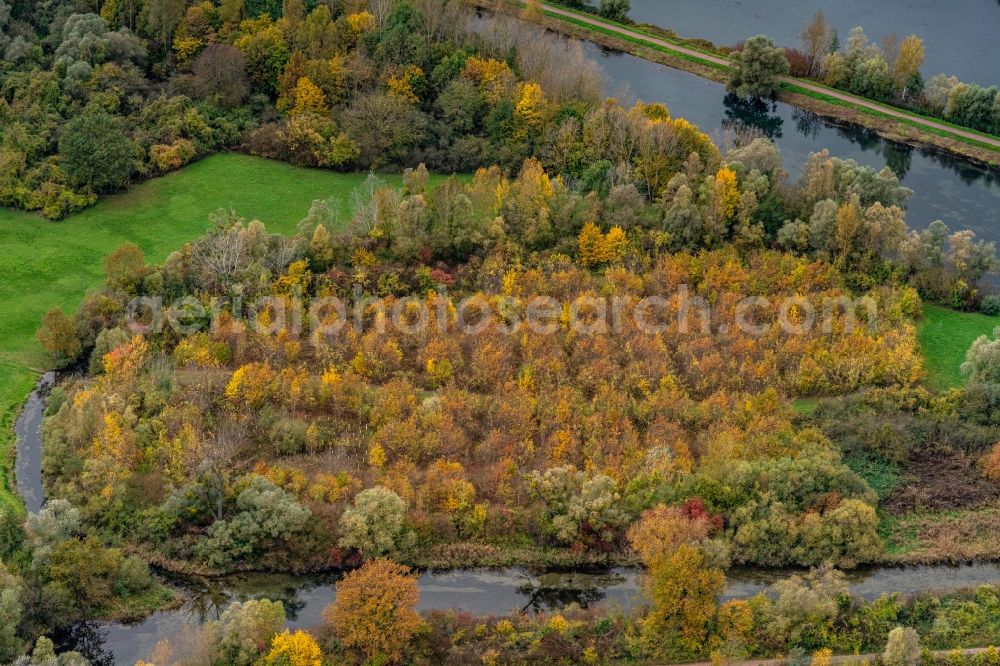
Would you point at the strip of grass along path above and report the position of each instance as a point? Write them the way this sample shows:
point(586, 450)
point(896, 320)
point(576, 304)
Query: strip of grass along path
point(47, 264)
point(945, 335)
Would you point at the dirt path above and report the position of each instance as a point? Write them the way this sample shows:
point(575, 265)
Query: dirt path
point(801, 83)
point(845, 659)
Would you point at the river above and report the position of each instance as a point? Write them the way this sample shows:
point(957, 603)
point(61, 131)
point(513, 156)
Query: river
point(961, 37)
point(480, 592)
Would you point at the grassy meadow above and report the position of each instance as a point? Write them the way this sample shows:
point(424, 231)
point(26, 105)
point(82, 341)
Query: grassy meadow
point(944, 337)
point(47, 264)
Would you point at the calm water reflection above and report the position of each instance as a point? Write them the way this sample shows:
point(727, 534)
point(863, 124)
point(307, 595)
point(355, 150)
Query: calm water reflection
point(480, 592)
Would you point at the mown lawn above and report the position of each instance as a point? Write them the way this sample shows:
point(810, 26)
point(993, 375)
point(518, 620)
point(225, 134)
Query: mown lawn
point(945, 335)
point(48, 264)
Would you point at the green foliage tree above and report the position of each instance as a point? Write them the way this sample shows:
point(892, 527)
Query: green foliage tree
point(96, 153)
point(616, 10)
point(376, 524)
point(264, 516)
point(11, 609)
point(981, 369)
point(757, 69)
point(580, 507)
point(244, 631)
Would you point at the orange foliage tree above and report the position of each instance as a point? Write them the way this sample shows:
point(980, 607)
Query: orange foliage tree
point(374, 613)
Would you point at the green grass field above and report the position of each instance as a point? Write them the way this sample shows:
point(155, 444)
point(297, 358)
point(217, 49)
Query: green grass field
point(47, 264)
point(944, 337)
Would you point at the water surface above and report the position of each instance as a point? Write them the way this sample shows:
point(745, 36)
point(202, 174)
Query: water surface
point(961, 37)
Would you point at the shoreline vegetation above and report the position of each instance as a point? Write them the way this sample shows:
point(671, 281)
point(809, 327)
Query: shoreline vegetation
point(642, 41)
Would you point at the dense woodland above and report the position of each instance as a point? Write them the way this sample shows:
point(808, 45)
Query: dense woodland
point(236, 442)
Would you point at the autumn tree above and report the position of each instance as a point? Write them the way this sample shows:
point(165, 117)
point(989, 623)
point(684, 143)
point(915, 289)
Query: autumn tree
point(374, 612)
point(906, 67)
point(125, 267)
point(817, 38)
point(294, 649)
point(59, 336)
point(757, 69)
point(220, 73)
point(683, 593)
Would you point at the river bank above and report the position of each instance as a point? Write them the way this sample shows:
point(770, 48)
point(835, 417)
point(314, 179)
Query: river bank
point(887, 122)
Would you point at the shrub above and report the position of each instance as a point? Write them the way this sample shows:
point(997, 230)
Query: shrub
point(374, 613)
point(375, 525)
point(580, 507)
point(902, 648)
point(990, 305)
point(990, 464)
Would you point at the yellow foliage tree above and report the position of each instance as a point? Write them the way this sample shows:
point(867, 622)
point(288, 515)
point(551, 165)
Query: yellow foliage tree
point(529, 112)
point(401, 84)
point(360, 23)
point(684, 593)
point(729, 193)
point(493, 77)
point(308, 97)
point(298, 649)
point(615, 244)
point(591, 243)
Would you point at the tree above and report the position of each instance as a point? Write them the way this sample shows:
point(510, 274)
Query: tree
point(662, 529)
point(374, 613)
point(96, 153)
point(581, 507)
point(757, 69)
point(11, 609)
point(59, 336)
point(817, 37)
point(244, 631)
point(125, 267)
point(220, 73)
point(308, 98)
point(982, 366)
point(266, 515)
point(684, 593)
point(163, 18)
point(376, 524)
point(294, 649)
point(616, 10)
point(908, 62)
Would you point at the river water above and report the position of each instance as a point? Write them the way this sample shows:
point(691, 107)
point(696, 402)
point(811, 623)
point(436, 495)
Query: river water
point(961, 37)
point(480, 592)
